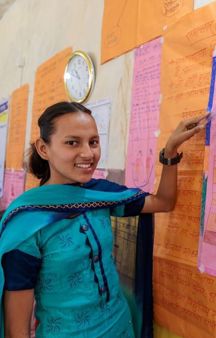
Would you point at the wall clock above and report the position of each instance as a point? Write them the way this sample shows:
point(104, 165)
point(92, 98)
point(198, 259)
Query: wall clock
point(79, 76)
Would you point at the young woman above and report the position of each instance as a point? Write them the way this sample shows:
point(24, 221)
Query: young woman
point(56, 240)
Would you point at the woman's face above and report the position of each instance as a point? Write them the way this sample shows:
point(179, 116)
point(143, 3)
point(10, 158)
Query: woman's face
point(74, 149)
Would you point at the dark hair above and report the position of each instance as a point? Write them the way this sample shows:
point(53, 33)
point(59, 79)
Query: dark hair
point(46, 122)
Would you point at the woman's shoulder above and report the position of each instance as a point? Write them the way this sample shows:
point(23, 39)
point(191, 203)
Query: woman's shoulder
point(104, 185)
point(25, 197)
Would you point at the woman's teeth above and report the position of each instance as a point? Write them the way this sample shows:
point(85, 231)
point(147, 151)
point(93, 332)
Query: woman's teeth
point(83, 166)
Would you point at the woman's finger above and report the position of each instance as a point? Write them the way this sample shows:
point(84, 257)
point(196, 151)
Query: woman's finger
point(186, 135)
point(189, 133)
point(192, 123)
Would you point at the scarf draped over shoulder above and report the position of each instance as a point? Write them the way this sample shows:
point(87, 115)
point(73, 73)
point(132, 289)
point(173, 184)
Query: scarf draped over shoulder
point(41, 206)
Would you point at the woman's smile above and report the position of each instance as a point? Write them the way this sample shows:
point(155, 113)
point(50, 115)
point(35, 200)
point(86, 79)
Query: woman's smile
point(83, 165)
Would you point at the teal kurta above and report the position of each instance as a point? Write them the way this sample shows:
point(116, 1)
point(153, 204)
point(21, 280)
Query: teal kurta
point(71, 296)
point(77, 293)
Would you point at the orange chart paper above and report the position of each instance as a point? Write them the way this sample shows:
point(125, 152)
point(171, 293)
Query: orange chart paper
point(49, 86)
point(156, 16)
point(17, 128)
point(184, 298)
point(130, 23)
point(186, 72)
point(31, 182)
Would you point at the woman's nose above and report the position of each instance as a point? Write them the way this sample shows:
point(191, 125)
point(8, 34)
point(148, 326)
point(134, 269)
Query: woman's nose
point(86, 151)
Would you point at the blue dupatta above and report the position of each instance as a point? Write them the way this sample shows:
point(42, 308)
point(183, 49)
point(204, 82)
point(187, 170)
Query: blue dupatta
point(39, 207)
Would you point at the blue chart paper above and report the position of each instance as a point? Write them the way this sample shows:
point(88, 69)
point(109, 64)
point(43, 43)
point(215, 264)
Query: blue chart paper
point(211, 97)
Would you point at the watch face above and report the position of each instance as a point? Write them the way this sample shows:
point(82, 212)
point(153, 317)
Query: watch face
point(79, 76)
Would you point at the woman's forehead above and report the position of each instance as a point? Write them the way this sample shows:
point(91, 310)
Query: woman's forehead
point(74, 122)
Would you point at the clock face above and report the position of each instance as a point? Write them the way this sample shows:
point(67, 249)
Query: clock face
point(79, 76)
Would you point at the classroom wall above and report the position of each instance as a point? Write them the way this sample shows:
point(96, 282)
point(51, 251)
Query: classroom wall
point(33, 31)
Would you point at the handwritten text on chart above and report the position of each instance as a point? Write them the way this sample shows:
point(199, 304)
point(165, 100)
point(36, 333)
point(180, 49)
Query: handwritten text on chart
point(144, 117)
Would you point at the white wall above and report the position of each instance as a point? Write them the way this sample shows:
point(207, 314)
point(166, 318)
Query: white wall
point(32, 31)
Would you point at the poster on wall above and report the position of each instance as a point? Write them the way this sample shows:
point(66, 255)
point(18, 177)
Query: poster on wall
point(17, 129)
point(185, 79)
point(207, 247)
point(3, 138)
point(144, 120)
point(49, 86)
point(184, 297)
point(129, 23)
point(13, 186)
point(31, 181)
point(101, 111)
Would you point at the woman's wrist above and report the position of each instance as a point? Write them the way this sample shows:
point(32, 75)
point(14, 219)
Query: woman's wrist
point(170, 152)
point(169, 156)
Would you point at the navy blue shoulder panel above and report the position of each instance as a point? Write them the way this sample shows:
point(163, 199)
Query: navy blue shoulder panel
point(20, 270)
point(104, 185)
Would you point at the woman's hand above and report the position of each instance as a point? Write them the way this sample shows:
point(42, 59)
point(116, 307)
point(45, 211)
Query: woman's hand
point(184, 131)
point(165, 198)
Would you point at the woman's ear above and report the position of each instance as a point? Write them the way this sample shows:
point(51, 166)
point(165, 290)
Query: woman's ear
point(41, 148)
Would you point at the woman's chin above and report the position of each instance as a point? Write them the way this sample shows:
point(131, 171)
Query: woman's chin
point(85, 179)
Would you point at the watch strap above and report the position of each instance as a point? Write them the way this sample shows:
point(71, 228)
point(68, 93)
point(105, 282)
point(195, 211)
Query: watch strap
point(169, 161)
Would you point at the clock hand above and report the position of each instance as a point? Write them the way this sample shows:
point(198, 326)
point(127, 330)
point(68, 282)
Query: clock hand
point(78, 77)
point(75, 74)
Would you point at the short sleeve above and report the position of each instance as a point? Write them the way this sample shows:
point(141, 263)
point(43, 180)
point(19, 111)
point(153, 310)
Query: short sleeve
point(22, 265)
point(130, 209)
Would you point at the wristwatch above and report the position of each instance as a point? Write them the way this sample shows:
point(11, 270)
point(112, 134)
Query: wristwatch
point(169, 161)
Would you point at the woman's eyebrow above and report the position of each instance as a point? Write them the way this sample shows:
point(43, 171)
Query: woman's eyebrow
point(72, 136)
point(78, 137)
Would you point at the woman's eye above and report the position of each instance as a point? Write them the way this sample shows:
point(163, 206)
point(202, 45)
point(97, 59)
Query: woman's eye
point(94, 142)
point(71, 142)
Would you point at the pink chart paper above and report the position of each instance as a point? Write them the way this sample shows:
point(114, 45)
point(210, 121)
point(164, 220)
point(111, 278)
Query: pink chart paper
point(144, 122)
point(13, 187)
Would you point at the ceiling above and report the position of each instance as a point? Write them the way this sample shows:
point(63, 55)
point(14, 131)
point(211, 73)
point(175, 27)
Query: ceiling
point(4, 6)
